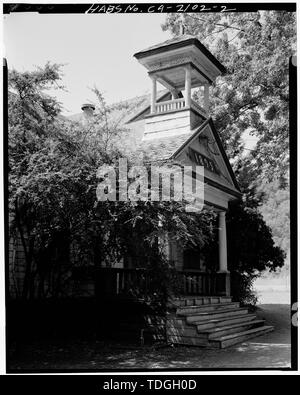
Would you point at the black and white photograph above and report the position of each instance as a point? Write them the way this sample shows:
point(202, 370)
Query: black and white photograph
point(150, 189)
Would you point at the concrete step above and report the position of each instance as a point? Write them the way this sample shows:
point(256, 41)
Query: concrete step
point(209, 307)
point(231, 329)
point(217, 323)
point(210, 315)
point(183, 330)
point(222, 342)
point(212, 300)
point(191, 331)
point(198, 300)
point(180, 322)
point(230, 340)
point(188, 341)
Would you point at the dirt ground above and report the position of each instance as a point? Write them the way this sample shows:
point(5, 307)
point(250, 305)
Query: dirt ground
point(272, 350)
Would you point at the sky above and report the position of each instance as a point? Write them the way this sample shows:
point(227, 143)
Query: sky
point(96, 49)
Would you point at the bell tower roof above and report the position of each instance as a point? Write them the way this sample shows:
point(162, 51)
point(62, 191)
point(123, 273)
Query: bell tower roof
point(166, 60)
point(179, 64)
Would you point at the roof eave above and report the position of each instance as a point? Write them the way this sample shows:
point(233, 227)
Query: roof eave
point(180, 44)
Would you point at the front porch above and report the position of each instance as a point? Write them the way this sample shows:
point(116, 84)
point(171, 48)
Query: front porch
point(125, 282)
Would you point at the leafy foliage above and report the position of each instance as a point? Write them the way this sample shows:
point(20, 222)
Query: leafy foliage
point(252, 98)
point(52, 193)
point(251, 248)
point(52, 170)
point(52, 198)
point(253, 95)
point(275, 208)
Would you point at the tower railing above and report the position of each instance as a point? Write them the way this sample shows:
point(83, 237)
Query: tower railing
point(170, 105)
point(177, 104)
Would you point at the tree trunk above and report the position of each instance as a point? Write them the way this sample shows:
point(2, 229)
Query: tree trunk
point(28, 255)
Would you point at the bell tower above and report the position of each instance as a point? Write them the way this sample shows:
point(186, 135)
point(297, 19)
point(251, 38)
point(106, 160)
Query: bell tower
point(179, 64)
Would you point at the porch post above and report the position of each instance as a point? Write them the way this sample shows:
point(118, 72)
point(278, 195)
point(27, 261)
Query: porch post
point(222, 243)
point(206, 98)
point(174, 94)
point(153, 95)
point(187, 86)
point(223, 253)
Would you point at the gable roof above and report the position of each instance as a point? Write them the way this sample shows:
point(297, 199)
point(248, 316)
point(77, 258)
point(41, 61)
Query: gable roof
point(219, 144)
point(164, 148)
point(223, 153)
point(160, 149)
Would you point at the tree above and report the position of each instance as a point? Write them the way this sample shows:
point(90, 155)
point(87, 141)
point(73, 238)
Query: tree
point(251, 249)
point(52, 193)
point(52, 166)
point(253, 96)
point(275, 209)
point(52, 198)
point(31, 115)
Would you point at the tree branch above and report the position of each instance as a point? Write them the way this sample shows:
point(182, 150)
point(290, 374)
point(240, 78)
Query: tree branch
point(217, 24)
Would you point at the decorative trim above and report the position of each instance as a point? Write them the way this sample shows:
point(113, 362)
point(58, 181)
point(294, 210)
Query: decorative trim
point(215, 205)
point(169, 64)
point(222, 187)
point(203, 160)
point(183, 62)
point(180, 44)
point(226, 160)
point(223, 153)
point(219, 186)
